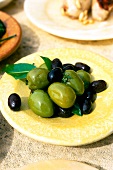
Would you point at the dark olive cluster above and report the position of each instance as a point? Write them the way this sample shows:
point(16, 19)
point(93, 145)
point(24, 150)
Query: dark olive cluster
point(87, 99)
point(64, 90)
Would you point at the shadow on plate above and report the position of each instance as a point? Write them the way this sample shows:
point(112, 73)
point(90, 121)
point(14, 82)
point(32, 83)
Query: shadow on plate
point(29, 44)
point(96, 166)
point(6, 137)
point(106, 141)
point(14, 7)
point(92, 42)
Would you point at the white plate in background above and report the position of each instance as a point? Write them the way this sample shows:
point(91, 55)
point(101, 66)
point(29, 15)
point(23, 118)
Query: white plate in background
point(46, 14)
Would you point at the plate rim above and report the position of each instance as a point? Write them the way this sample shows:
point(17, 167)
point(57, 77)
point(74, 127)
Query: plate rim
point(75, 163)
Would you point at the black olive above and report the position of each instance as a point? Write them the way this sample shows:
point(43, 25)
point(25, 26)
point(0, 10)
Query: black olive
point(65, 113)
point(80, 99)
point(55, 75)
point(98, 86)
point(68, 66)
point(86, 107)
point(56, 63)
point(14, 102)
point(82, 66)
point(90, 95)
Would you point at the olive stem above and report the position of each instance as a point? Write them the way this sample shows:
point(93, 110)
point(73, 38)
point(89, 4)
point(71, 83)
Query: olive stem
point(65, 78)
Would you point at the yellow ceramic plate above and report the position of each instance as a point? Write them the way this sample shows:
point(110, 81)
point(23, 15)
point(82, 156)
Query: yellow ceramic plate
point(57, 165)
point(72, 131)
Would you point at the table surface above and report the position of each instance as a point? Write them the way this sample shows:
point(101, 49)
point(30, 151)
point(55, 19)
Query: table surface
point(16, 149)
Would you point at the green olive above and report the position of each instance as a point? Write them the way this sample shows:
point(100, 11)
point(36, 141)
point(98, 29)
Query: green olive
point(85, 76)
point(41, 104)
point(37, 78)
point(73, 80)
point(62, 94)
point(43, 66)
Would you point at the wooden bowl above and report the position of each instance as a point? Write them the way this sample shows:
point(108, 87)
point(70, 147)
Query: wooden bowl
point(12, 28)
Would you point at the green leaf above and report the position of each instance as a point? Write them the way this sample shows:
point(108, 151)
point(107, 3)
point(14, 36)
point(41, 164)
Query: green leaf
point(76, 109)
point(2, 29)
point(4, 39)
point(48, 62)
point(18, 71)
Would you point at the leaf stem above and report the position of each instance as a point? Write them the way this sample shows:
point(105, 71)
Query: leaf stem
point(4, 39)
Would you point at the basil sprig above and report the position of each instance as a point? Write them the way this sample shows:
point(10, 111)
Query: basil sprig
point(7, 38)
point(18, 71)
point(2, 29)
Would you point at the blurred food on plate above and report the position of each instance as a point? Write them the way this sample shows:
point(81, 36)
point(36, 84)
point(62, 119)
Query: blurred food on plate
point(87, 11)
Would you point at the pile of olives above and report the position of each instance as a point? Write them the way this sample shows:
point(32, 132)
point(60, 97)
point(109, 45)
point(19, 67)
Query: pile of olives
point(64, 90)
